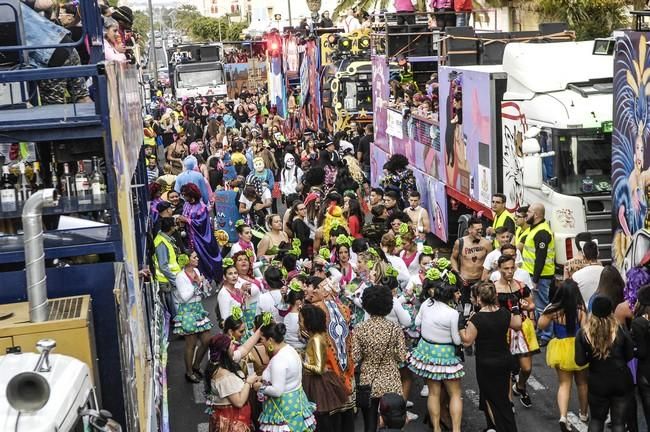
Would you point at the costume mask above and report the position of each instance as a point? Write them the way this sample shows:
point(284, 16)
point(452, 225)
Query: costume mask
point(258, 164)
point(289, 162)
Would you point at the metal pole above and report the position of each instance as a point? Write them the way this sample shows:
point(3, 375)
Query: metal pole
point(289, 6)
point(152, 46)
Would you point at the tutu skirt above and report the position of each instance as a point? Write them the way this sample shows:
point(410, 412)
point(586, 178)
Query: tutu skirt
point(191, 318)
point(437, 362)
point(560, 353)
point(291, 412)
point(327, 391)
point(523, 341)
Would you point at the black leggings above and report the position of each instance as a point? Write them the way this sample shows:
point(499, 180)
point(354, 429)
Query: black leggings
point(643, 384)
point(371, 416)
point(599, 406)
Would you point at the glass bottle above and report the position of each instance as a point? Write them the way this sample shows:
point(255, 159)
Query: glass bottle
point(82, 184)
point(37, 180)
point(68, 189)
point(8, 199)
point(97, 182)
point(23, 187)
point(54, 177)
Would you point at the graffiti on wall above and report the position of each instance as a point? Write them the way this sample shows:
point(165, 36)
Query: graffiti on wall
point(513, 126)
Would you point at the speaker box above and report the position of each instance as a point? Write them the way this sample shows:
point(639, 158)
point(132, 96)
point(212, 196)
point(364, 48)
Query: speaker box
point(492, 46)
point(461, 52)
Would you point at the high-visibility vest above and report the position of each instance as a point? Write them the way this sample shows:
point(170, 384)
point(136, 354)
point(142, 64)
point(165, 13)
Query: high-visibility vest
point(529, 251)
point(520, 233)
point(500, 221)
point(173, 264)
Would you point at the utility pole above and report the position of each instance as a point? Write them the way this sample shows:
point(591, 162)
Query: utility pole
point(152, 45)
point(289, 7)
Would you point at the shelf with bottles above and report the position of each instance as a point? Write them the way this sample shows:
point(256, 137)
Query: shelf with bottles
point(81, 183)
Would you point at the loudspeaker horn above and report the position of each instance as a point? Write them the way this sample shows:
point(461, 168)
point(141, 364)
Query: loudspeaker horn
point(28, 392)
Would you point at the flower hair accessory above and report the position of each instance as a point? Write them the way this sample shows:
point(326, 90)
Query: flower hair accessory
point(284, 272)
point(433, 274)
point(249, 253)
point(451, 278)
point(398, 241)
point(427, 250)
point(294, 285)
point(183, 260)
point(227, 262)
point(236, 313)
point(325, 253)
point(295, 248)
point(239, 223)
point(344, 240)
point(390, 271)
point(403, 228)
point(372, 251)
point(370, 264)
point(443, 263)
point(267, 318)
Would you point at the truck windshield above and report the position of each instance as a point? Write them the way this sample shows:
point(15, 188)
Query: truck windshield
point(205, 78)
point(582, 162)
point(356, 93)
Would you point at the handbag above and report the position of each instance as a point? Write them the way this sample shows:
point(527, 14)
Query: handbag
point(364, 391)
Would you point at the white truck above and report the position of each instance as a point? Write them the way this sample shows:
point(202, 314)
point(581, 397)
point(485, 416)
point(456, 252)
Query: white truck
point(49, 393)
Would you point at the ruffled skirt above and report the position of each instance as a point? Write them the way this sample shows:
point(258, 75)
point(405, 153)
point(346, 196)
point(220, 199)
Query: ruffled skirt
point(191, 318)
point(327, 391)
point(291, 412)
point(560, 354)
point(437, 362)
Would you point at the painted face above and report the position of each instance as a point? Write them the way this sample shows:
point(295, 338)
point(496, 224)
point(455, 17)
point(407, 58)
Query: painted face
point(259, 165)
point(290, 162)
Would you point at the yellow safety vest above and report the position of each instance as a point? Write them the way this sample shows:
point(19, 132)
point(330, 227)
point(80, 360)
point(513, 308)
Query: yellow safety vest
point(173, 265)
point(520, 233)
point(529, 251)
point(500, 221)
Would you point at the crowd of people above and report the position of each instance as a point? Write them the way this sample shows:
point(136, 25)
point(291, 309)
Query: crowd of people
point(302, 295)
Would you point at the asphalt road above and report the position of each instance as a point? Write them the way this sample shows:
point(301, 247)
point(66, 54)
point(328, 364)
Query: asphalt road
point(187, 409)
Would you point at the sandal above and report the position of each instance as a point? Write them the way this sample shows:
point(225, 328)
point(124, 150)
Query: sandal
point(192, 378)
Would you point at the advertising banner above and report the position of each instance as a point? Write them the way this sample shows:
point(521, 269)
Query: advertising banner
point(380, 99)
point(394, 125)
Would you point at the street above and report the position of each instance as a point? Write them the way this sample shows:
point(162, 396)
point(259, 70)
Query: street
point(187, 403)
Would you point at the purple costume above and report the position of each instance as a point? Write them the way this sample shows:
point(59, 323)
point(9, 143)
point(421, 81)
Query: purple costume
point(201, 236)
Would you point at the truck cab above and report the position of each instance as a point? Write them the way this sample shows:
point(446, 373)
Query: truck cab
point(556, 118)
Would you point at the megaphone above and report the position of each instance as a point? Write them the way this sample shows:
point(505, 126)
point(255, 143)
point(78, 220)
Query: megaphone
point(28, 392)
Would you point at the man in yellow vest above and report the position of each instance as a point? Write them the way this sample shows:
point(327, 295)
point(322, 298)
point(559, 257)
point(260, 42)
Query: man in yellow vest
point(502, 217)
point(165, 262)
point(539, 260)
point(522, 227)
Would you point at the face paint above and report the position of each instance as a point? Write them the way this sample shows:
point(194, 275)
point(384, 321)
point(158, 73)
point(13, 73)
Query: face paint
point(290, 163)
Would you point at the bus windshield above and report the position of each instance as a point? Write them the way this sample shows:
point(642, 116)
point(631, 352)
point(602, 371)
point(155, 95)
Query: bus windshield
point(206, 78)
point(356, 93)
point(582, 162)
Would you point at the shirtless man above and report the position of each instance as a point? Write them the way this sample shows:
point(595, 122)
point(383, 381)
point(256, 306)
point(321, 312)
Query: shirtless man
point(467, 258)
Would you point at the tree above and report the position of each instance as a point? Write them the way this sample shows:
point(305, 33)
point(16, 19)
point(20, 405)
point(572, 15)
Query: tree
point(588, 18)
point(370, 6)
point(214, 29)
point(141, 24)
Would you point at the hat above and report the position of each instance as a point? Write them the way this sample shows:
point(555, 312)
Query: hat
point(643, 295)
point(346, 147)
point(601, 307)
point(124, 15)
point(392, 408)
point(162, 206)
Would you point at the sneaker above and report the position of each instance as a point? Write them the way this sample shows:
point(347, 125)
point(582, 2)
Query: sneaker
point(583, 417)
point(525, 400)
point(564, 425)
point(515, 390)
point(411, 416)
point(409, 404)
point(425, 391)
